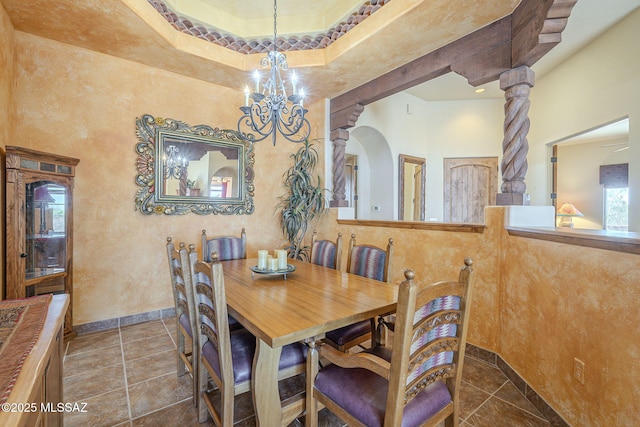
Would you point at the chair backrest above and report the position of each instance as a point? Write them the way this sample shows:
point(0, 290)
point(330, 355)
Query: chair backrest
point(212, 319)
point(325, 252)
point(227, 247)
point(370, 261)
point(180, 271)
point(429, 340)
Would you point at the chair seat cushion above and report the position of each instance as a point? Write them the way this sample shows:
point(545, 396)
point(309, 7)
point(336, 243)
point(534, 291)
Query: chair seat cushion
point(363, 394)
point(243, 348)
point(343, 335)
point(186, 324)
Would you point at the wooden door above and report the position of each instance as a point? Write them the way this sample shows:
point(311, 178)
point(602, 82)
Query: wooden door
point(470, 184)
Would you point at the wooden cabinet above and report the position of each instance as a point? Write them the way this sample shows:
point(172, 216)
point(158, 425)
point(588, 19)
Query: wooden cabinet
point(39, 252)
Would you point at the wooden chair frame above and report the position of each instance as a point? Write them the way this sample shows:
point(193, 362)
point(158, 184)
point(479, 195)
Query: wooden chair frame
point(411, 296)
point(338, 244)
point(225, 382)
point(180, 272)
point(377, 331)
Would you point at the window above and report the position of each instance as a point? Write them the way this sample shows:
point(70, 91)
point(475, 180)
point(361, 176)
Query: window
point(615, 180)
point(616, 209)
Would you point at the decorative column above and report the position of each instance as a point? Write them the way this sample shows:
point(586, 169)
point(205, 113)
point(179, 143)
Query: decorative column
point(517, 84)
point(339, 138)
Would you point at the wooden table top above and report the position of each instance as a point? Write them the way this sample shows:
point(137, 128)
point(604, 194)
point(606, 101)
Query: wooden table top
point(311, 301)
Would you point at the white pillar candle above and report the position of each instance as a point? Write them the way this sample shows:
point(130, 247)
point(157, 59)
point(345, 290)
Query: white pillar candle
point(262, 259)
point(282, 259)
point(272, 263)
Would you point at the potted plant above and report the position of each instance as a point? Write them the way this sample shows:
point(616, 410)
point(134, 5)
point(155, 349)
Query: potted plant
point(304, 200)
point(192, 187)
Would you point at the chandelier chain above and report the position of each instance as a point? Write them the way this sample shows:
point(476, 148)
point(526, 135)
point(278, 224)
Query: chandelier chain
point(275, 23)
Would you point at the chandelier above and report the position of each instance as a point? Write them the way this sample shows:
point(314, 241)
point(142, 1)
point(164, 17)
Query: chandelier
point(268, 110)
point(174, 166)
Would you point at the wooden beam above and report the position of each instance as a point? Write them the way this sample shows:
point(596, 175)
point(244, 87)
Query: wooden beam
point(486, 45)
point(347, 117)
point(537, 28)
point(522, 38)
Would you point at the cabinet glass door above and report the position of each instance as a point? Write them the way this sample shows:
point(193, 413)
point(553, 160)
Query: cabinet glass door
point(46, 237)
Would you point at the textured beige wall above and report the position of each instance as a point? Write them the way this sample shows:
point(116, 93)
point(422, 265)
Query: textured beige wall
point(562, 301)
point(83, 104)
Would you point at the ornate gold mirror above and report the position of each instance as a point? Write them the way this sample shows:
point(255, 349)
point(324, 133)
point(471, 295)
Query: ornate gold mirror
point(196, 169)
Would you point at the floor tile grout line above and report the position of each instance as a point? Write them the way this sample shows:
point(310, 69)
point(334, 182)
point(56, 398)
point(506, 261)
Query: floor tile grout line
point(540, 416)
point(150, 355)
point(124, 370)
point(89, 370)
point(480, 405)
point(161, 409)
point(170, 334)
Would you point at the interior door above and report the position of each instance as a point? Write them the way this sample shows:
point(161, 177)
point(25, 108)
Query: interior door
point(351, 186)
point(418, 191)
point(470, 184)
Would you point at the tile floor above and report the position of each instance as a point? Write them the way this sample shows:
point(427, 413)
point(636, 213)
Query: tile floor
point(127, 377)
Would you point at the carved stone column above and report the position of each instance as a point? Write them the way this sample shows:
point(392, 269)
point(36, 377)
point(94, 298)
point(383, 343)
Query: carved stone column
point(517, 84)
point(339, 138)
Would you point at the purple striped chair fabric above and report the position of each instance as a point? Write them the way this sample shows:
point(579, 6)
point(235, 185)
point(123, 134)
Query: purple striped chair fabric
point(226, 247)
point(324, 253)
point(368, 261)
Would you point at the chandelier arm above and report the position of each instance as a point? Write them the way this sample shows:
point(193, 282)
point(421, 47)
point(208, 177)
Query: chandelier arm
point(269, 112)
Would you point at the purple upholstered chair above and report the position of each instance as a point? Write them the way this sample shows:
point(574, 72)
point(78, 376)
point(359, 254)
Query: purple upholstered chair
point(226, 247)
point(226, 358)
point(325, 252)
point(414, 383)
point(185, 311)
point(367, 261)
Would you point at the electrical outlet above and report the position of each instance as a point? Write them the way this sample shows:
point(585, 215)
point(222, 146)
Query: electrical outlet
point(578, 370)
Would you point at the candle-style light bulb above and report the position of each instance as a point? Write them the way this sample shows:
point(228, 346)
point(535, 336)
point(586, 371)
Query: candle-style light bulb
point(246, 95)
point(256, 76)
point(294, 80)
point(302, 97)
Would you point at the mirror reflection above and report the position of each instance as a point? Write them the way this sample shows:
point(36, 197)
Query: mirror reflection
point(195, 169)
point(45, 228)
point(192, 169)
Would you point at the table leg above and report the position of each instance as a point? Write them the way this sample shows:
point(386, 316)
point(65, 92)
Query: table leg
point(312, 371)
point(264, 385)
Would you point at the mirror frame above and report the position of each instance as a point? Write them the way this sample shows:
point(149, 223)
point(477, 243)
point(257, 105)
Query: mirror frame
point(150, 198)
point(402, 159)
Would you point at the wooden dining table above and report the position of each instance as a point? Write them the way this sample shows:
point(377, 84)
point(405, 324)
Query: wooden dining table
point(305, 304)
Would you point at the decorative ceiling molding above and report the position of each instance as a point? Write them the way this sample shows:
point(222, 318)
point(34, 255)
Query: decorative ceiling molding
point(283, 44)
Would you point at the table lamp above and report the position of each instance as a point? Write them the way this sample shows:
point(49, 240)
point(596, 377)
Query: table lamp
point(566, 212)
